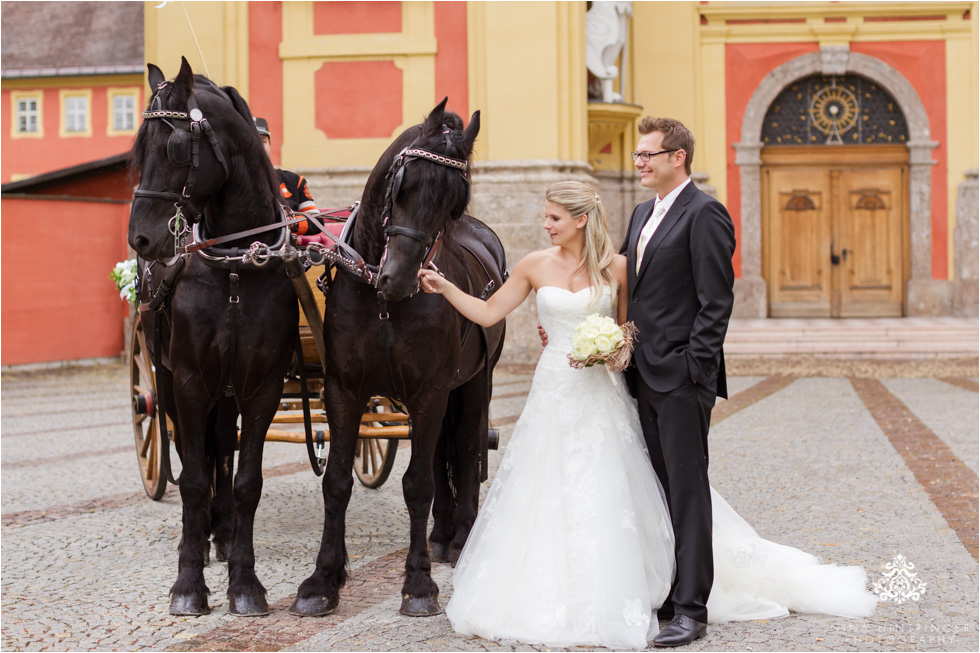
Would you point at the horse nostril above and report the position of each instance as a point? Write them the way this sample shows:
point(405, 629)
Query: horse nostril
point(140, 243)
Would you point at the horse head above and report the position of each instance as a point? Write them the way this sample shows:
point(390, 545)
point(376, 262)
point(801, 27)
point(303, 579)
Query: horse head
point(195, 140)
point(427, 186)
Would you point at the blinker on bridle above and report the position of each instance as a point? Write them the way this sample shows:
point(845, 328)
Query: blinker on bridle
point(183, 150)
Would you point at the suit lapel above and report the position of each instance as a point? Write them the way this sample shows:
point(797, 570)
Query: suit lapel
point(642, 213)
point(677, 210)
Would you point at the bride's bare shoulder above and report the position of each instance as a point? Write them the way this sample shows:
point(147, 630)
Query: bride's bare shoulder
point(535, 265)
point(537, 258)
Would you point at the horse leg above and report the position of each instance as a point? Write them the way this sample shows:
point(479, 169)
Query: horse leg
point(189, 593)
point(167, 399)
point(444, 500)
point(246, 594)
point(420, 594)
point(225, 439)
point(319, 594)
point(472, 408)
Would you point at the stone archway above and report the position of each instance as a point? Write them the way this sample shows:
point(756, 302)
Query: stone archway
point(750, 289)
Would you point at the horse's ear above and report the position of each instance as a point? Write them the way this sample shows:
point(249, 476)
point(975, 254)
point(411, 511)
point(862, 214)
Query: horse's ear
point(155, 76)
point(434, 122)
point(469, 136)
point(185, 78)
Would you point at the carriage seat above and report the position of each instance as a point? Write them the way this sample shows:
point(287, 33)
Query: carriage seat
point(334, 228)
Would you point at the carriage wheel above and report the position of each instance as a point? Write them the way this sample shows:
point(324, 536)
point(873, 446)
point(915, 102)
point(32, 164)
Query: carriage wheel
point(374, 458)
point(148, 422)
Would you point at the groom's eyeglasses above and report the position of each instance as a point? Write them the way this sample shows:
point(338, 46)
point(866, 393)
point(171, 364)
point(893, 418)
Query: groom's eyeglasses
point(646, 156)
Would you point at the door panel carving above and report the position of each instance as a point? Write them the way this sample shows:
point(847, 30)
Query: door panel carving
point(834, 243)
point(798, 243)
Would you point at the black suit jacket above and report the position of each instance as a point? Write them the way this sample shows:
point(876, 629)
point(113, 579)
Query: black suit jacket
point(681, 300)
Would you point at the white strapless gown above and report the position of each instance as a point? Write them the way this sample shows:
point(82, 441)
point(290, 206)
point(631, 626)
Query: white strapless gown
point(573, 545)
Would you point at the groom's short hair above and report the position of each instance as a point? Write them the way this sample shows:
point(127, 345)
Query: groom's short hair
point(676, 136)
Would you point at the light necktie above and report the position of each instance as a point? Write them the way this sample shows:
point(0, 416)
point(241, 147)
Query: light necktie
point(647, 232)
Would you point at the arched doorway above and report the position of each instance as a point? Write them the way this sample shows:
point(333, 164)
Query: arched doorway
point(834, 200)
point(752, 292)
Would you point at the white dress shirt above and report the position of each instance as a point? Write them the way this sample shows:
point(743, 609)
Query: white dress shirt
point(660, 209)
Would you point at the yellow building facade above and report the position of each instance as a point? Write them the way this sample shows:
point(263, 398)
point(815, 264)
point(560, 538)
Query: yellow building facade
point(893, 172)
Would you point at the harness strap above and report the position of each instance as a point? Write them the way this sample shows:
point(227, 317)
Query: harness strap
point(165, 288)
point(386, 338)
point(307, 420)
point(211, 242)
point(161, 405)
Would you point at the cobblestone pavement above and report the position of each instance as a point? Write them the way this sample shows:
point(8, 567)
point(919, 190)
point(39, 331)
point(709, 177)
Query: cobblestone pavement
point(856, 463)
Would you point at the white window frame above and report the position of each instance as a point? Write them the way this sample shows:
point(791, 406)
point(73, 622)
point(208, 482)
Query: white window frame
point(86, 126)
point(112, 95)
point(16, 97)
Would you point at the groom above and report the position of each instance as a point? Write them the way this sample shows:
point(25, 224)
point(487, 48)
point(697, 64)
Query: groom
point(679, 249)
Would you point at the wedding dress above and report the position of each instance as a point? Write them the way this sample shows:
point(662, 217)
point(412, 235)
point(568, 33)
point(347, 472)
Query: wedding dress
point(573, 545)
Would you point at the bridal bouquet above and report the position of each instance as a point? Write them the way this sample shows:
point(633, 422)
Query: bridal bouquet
point(124, 276)
point(599, 339)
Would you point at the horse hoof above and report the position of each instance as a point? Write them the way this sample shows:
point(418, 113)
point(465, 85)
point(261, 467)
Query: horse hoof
point(313, 606)
point(420, 606)
point(454, 556)
point(438, 552)
point(207, 555)
point(248, 605)
point(189, 605)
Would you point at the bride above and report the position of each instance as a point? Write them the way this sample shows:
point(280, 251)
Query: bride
point(573, 545)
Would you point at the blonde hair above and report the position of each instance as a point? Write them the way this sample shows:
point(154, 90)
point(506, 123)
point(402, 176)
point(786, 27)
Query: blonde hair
point(578, 199)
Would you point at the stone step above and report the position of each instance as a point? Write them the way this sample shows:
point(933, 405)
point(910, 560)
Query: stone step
point(860, 338)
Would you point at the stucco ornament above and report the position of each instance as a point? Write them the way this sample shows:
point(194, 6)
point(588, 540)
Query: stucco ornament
point(605, 36)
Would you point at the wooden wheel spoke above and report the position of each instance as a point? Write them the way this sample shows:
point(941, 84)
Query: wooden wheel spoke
point(147, 442)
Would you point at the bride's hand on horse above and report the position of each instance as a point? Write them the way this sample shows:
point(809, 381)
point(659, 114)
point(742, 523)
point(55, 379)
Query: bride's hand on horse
point(433, 282)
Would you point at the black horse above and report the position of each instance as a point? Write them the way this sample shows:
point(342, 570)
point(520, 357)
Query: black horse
point(391, 341)
point(230, 327)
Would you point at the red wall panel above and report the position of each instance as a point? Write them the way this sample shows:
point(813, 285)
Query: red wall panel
point(62, 307)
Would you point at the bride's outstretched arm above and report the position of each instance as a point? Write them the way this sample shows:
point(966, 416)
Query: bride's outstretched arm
point(485, 313)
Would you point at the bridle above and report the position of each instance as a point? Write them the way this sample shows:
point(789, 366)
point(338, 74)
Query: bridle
point(183, 150)
point(396, 174)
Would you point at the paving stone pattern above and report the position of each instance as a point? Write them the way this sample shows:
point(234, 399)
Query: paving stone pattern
point(798, 450)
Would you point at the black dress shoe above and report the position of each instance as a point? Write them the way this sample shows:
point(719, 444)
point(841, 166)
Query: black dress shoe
point(680, 631)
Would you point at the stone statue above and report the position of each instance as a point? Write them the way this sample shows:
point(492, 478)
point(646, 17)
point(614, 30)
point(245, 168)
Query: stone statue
point(605, 36)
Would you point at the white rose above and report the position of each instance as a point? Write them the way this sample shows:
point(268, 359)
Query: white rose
point(594, 320)
point(590, 333)
point(617, 339)
point(608, 328)
point(583, 351)
point(603, 345)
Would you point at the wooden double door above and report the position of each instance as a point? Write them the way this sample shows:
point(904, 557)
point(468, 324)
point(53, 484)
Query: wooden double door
point(834, 231)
